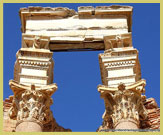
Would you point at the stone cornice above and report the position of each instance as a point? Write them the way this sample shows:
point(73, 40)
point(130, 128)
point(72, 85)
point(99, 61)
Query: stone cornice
point(58, 12)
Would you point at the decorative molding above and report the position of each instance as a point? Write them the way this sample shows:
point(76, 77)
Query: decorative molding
point(120, 63)
point(34, 63)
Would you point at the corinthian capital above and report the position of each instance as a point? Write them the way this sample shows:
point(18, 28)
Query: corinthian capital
point(32, 103)
point(124, 103)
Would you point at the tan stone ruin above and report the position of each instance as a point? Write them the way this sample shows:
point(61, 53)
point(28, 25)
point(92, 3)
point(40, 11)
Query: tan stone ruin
point(108, 28)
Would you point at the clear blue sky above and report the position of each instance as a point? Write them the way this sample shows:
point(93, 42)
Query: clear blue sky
point(77, 103)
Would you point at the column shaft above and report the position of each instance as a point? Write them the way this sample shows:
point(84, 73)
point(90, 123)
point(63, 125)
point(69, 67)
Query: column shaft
point(28, 127)
point(127, 124)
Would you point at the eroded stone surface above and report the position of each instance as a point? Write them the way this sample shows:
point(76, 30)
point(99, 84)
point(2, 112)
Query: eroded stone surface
point(153, 119)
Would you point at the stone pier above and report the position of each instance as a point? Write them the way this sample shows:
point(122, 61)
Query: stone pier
point(33, 84)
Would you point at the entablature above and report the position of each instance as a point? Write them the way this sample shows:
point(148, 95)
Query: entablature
point(69, 30)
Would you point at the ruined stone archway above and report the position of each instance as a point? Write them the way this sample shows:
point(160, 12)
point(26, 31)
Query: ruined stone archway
point(115, 45)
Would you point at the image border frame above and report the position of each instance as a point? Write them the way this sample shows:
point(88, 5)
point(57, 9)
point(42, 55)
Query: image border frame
point(72, 1)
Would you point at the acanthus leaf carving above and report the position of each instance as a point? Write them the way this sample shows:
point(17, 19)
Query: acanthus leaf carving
point(31, 103)
point(124, 103)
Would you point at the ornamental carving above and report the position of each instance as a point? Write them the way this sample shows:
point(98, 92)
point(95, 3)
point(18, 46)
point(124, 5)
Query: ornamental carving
point(117, 41)
point(31, 103)
point(123, 103)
